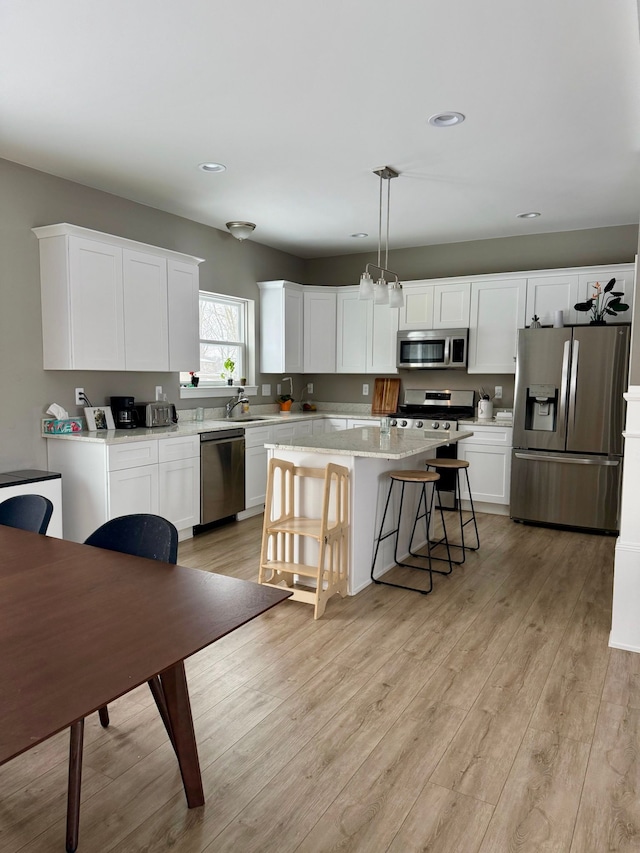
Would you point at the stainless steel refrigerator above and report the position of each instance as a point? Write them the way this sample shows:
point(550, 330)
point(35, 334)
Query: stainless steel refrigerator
point(567, 428)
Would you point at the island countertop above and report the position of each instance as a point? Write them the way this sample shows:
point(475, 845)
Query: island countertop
point(367, 441)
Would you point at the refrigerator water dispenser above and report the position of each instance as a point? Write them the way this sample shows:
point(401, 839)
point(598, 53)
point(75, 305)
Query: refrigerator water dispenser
point(542, 408)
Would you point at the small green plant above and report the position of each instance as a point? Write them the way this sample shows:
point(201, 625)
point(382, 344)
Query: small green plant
point(229, 366)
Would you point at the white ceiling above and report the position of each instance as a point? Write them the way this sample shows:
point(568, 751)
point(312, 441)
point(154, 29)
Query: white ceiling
point(302, 100)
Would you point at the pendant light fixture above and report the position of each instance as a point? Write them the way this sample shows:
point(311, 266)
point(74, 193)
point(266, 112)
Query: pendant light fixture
point(381, 292)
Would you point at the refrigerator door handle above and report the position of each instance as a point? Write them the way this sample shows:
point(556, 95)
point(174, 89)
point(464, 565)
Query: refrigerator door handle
point(564, 386)
point(566, 460)
point(573, 385)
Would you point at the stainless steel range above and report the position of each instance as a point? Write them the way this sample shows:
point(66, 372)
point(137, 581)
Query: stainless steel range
point(439, 410)
point(434, 409)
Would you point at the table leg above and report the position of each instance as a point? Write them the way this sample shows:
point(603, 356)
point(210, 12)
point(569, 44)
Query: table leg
point(75, 779)
point(176, 694)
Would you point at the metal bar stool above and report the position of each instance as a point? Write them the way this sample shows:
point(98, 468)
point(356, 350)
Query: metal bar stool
point(457, 465)
point(423, 510)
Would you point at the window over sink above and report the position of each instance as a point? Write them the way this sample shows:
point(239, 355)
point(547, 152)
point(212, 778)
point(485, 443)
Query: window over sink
point(226, 334)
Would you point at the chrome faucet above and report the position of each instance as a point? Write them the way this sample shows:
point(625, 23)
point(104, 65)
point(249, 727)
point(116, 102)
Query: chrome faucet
point(235, 401)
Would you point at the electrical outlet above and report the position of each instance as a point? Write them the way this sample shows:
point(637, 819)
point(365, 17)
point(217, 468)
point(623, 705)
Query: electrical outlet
point(158, 392)
point(365, 390)
point(266, 390)
point(278, 389)
point(309, 387)
point(79, 393)
point(498, 394)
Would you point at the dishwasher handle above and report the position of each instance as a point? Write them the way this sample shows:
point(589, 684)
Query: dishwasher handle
point(222, 435)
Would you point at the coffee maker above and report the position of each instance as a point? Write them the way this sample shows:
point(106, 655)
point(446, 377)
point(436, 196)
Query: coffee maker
point(124, 411)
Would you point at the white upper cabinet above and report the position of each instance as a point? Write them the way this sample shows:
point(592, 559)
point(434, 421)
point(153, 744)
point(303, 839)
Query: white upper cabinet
point(353, 320)
point(320, 330)
point(624, 282)
point(417, 312)
point(146, 328)
point(547, 294)
point(106, 302)
point(83, 313)
point(281, 327)
point(367, 335)
point(435, 304)
point(497, 312)
point(451, 305)
point(183, 298)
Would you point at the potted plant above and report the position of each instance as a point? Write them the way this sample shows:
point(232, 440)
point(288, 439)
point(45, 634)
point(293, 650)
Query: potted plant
point(605, 301)
point(194, 378)
point(284, 401)
point(229, 366)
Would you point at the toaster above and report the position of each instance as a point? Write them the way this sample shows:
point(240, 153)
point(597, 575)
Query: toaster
point(159, 414)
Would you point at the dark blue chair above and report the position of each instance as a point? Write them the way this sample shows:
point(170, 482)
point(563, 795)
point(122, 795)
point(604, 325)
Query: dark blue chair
point(27, 512)
point(141, 535)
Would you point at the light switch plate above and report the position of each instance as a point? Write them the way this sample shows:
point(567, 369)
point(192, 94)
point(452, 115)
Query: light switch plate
point(365, 390)
point(278, 389)
point(266, 390)
point(158, 392)
point(498, 394)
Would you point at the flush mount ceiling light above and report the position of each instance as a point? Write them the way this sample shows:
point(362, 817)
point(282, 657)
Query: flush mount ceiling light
point(212, 167)
point(241, 230)
point(382, 293)
point(360, 235)
point(532, 215)
point(448, 119)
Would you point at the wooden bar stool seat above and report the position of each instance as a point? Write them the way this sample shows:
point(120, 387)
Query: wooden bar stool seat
point(423, 478)
point(457, 465)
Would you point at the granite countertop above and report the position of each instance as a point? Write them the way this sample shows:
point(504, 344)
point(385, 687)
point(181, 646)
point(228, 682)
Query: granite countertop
point(367, 441)
point(192, 427)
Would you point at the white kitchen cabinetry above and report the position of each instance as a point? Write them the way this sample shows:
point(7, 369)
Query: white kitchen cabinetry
point(435, 305)
point(488, 452)
point(335, 424)
point(104, 481)
point(624, 282)
point(354, 423)
point(281, 327)
point(318, 426)
point(179, 480)
point(367, 335)
point(497, 312)
point(146, 329)
point(550, 293)
point(255, 458)
point(319, 330)
point(183, 297)
point(107, 303)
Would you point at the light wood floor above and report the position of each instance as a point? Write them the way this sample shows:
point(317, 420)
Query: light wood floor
point(489, 716)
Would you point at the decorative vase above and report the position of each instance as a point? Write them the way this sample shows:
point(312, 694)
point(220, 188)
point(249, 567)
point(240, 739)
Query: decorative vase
point(535, 324)
point(597, 322)
point(230, 381)
point(194, 381)
point(285, 405)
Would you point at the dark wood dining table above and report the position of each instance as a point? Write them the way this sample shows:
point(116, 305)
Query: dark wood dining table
point(81, 626)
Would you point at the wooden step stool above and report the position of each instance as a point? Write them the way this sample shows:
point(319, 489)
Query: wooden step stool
point(289, 519)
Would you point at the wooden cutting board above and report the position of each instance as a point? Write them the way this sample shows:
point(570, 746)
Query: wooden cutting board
point(385, 396)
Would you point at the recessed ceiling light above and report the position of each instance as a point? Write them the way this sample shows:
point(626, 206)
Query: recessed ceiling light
point(532, 215)
point(212, 167)
point(447, 119)
point(360, 234)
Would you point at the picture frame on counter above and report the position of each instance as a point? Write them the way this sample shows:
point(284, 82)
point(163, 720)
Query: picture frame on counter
point(99, 417)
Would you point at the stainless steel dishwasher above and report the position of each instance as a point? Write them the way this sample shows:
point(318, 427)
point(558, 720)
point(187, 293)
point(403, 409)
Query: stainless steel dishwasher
point(221, 474)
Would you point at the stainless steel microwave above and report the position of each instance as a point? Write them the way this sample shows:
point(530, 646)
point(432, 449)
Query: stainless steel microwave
point(432, 349)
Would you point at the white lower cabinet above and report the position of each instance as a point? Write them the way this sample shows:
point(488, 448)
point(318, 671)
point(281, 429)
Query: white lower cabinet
point(335, 424)
point(488, 453)
point(357, 422)
point(160, 476)
point(255, 465)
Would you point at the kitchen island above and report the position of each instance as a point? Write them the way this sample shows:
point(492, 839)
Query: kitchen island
point(369, 457)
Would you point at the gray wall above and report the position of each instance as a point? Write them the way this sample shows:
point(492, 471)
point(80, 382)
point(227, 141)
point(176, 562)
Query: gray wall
point(617, 245)
point(29, 198)
point(634, 368)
